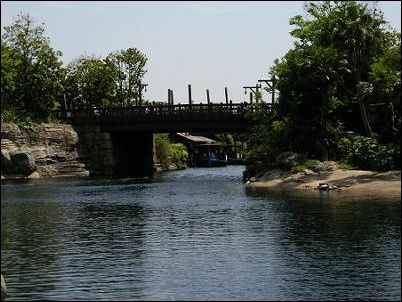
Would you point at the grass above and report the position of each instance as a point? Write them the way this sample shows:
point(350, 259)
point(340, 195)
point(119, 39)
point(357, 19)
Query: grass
point(308, 164)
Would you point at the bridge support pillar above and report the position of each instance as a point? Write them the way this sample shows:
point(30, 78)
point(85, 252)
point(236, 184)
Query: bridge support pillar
point(133, 153)
point(116, 153)
point(106, 153)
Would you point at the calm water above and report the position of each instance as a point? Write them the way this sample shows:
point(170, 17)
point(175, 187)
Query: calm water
point(194, 234)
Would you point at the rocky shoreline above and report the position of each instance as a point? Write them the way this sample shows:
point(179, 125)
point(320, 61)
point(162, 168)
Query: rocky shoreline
point(323, 176)
point(46, 150)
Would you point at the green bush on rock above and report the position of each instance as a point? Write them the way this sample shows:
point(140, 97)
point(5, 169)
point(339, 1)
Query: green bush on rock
point(170, 153)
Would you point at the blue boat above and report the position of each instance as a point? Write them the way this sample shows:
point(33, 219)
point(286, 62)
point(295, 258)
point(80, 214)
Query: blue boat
point(209, 155)
point(211, 161)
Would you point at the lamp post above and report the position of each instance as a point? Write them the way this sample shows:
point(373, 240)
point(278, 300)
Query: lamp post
point(254, 89)
point(141, 86)
point(272, 86)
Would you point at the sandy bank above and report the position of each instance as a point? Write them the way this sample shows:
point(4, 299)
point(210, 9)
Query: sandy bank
point(387, 184)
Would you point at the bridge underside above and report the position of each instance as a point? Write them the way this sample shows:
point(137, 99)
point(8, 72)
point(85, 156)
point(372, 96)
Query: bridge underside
point(179, 126)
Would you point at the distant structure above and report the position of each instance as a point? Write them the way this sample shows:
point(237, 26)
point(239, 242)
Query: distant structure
point(201, 147)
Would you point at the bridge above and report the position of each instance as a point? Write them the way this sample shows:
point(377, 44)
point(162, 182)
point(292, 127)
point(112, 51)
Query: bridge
point(223, 117)
point(120, 140)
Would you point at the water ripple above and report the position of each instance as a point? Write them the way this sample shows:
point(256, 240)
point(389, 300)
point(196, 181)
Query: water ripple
point(193, 234)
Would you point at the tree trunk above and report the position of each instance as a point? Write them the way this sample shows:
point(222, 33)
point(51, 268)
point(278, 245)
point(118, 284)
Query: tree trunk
point(363, 114)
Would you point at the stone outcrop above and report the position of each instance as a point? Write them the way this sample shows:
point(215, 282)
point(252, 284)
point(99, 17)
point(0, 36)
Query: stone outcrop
point(325, 166)
point(45, 150)
point(285, 161)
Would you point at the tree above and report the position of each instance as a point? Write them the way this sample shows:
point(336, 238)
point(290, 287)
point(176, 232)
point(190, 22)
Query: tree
point(343, 61)
point(354, 30)
point(309, 77)
point(9, 65)
point(90, 82)
point(38, 74)
point(383, 90)
point(130, 66)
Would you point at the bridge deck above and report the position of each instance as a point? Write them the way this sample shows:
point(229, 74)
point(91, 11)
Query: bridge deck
point(179, 117)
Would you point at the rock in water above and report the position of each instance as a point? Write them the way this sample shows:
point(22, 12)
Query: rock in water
point(24, 161)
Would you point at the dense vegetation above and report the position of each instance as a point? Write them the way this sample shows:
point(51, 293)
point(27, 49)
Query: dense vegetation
point(170, 153)
point(34, 80)
point(339, 90)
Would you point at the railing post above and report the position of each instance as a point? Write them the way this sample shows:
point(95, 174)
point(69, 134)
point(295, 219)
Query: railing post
point(226, 95)
point(208, 99)
point(139, 93)
point(189, 96)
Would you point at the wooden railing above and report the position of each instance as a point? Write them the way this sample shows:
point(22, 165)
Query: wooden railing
point(155, 113)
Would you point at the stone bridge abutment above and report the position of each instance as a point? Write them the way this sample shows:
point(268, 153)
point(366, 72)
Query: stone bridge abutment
point(107, 152)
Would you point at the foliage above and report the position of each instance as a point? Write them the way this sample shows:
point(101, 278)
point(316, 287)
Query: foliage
point(33, 81)
point(226, 138)
point(343, 74)
point(32, 74)
point(384, 87)
point(179, 155)
point(308, 164)
point(367, 153)
point(9, 65)
point(169, 153)
point(267, 140)
point(89, 81)
point(130, 68)
point(113, 81)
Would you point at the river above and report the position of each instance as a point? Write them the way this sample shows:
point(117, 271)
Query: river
point(194, 234)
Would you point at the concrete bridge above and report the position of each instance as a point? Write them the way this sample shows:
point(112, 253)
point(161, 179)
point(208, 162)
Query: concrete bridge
point(120, 140)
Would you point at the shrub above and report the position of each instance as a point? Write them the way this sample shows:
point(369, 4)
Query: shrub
point(367, 153)
point(179, 155)
point(169, 153)
point(308, 164)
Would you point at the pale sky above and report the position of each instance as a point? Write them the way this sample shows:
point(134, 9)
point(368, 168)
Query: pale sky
point(206, 44)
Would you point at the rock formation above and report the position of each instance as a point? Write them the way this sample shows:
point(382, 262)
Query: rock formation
point(42, 151)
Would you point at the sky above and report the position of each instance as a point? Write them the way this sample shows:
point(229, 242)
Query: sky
point(208, 44)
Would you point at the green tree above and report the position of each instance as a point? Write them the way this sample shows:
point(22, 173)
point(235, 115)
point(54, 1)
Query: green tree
point(343, 61)
point(9, 66)
point(90, 82)
point(383, 90)
point(354, 30)
point(130, 66)
point(38, 74)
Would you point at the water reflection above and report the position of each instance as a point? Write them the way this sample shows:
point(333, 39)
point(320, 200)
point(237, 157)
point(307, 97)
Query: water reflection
point(195, 234)
point(347, 240)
